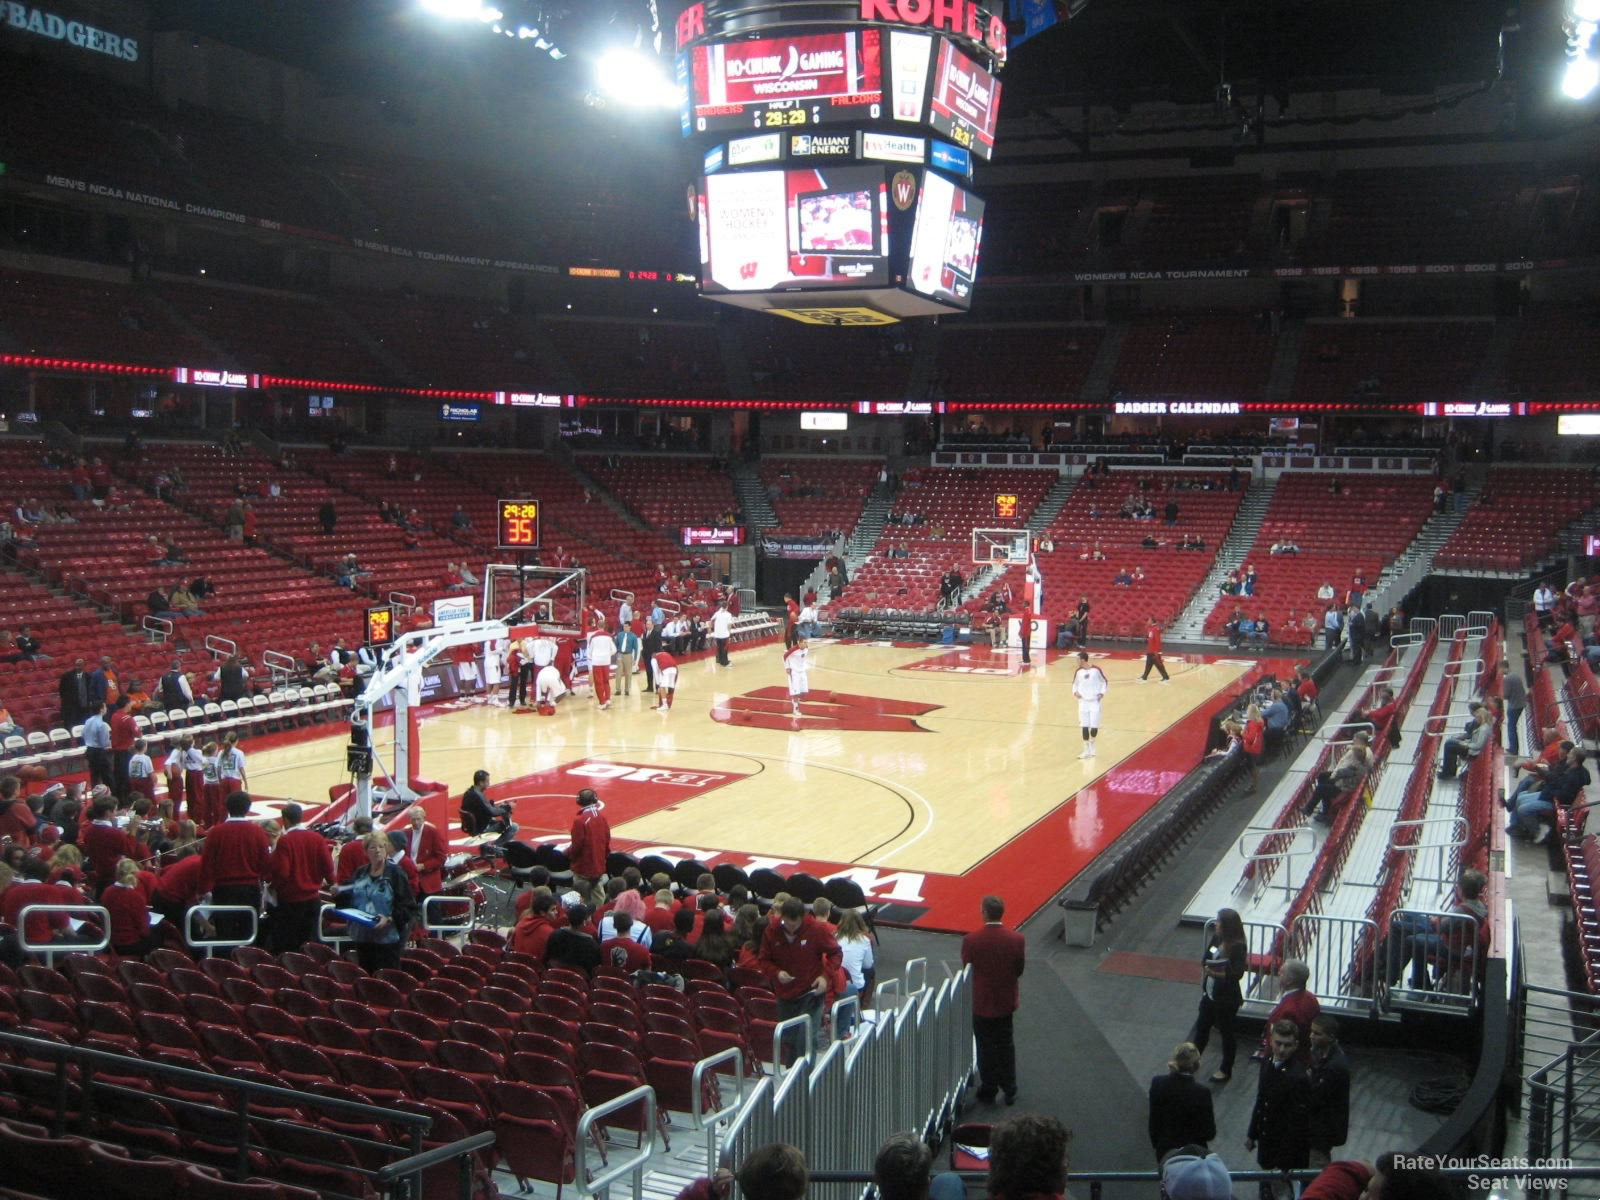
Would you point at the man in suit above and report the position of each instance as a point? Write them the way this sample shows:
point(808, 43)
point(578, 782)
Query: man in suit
point(649, 647)
point(1328, 1079)
point(1180, 1108)
point(1278, 1132)
point(997, 956)
point(427, 849)
point(73, 689)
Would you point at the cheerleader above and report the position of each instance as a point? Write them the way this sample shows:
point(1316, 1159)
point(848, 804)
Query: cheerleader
point(194, 781)
point(230, 764)
point(141, 771)
point(172, 766)
point(213, 804)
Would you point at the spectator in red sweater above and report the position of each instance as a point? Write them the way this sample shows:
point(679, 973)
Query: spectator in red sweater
point(621, 950)
point(124, 733)
point(536, 925)
point(17, 820)
point(181, 885)
point(353, 855)
point(590, 847)
point(238, 859)
point(1393, 1177)
point(659, 916)
point(802, 955)
point(998, 957)
point(103, 843)
point(130, 912)
point(29, 887)
point(302, 864)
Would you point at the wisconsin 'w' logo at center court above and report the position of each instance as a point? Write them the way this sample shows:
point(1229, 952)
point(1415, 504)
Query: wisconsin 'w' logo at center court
point(769, 708)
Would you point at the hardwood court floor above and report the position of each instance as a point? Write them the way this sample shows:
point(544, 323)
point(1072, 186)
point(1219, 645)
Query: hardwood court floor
point(930, 774)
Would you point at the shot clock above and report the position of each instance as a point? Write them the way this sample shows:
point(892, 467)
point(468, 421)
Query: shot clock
point(518, 524)
point(380, 625)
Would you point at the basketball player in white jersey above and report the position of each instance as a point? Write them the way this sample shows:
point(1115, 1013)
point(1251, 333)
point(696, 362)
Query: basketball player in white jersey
point(602, 652)
point(540, 652)
point(796, 663)
point(548, 687)
point(1089, 686)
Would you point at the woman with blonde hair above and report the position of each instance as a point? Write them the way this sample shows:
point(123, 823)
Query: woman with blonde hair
point(856, 949)
point(1254, 740)
point(382, 894)
point(66, 865)
point(130, 912)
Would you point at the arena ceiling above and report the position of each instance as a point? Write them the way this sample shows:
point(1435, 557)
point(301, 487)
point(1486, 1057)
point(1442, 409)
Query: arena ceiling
point(1121, 52)
point(1115, 52)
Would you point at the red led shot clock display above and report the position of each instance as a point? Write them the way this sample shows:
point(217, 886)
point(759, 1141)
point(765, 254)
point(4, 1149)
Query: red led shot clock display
point(519, 524)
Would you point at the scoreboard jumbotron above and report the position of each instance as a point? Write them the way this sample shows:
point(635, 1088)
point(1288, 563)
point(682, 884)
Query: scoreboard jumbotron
point(838, 145)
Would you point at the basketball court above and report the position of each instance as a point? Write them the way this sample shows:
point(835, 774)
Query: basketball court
point(929, 774)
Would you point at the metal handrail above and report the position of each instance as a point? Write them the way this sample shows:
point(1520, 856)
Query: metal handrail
point(50, 949)
point(778, 1032)
point(1465, 949)
point(450, 926)
point(404, 600)
point(205, 910)
point(697, 1115)
point(1435, 724)
point(279, 665)
point(414, 1165)
point(209, 1081)
point(1257, 835)
point(917, 967)
point(633, 1164)
point(221, 647)
point(330, 939)
point(160, 629)
point(1355, 727)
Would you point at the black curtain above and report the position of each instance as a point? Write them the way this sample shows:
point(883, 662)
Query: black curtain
point(777, 576)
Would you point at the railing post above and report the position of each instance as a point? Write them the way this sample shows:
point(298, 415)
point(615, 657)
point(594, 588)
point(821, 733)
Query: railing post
point(58, 1126)
point(51, 949)
point(211, 944)
point(1538, 1121)
point(242, 1108)
point(448, 925)
point(916, 968)
point(778, 1033)
point(1569, 1098)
